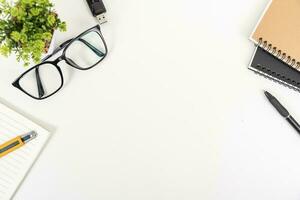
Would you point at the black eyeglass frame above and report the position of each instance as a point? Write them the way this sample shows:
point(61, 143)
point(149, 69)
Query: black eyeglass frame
point(64, 46)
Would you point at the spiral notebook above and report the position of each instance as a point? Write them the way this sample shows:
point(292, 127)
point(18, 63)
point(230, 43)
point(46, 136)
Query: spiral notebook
point(278, 32)
point(15, 166)
point(271, 67)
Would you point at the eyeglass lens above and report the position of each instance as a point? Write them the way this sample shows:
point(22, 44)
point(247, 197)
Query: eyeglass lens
point(42, 81)
point(86, 51)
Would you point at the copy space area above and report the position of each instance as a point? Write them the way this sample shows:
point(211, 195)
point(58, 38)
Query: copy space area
point(171, 113)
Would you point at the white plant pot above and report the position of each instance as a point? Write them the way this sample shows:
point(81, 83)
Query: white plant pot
point(51, 46)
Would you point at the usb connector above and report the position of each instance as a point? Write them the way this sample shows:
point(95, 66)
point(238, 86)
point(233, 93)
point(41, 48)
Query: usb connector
point(102, 18)
point(98, 10)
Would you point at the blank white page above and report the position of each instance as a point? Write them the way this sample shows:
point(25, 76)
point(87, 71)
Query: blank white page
point(15, 166)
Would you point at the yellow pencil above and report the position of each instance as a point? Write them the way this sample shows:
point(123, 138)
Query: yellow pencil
point(16, 143)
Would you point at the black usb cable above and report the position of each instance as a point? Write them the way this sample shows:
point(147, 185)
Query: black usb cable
point(98, 10)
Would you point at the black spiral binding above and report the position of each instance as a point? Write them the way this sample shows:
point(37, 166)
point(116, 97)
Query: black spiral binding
point(278, 78)
point(278, 53)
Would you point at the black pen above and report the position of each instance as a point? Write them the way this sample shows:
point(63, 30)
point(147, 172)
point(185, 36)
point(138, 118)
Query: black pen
point(283, 112)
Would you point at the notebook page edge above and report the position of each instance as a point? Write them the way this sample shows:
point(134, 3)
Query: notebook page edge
point(252, 57)
point(20, 117)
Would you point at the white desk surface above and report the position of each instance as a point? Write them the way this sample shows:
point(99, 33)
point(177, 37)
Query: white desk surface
point(172, 113)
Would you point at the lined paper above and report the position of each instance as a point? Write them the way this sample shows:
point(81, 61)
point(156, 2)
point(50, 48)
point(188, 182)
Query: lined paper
point(15, 166)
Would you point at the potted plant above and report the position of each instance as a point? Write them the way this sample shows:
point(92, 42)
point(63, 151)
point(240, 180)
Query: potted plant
point(27, 28)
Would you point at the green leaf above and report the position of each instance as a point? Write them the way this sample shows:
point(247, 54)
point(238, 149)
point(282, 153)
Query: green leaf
point(14, 11)
point(51, 20)
point(23, 38)
point(47, 36)
point(16, 36)
point(35, 11)
point(5, 50)
point(62, 27)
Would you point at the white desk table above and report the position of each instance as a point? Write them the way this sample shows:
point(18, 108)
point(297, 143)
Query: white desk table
point(172, 113)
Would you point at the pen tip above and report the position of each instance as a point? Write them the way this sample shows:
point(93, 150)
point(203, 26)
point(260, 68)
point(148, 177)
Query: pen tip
point(268, 95)
point(266, 92)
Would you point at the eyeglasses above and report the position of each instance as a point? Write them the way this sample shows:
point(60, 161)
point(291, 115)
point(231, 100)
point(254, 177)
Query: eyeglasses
point(82, 52)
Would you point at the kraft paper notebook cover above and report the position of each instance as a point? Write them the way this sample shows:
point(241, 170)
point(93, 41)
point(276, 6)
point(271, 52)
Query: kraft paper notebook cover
point(278, 31)
point(15, 166)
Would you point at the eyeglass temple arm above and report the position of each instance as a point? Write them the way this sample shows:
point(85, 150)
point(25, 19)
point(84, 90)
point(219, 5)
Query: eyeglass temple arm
point(40, 87)
point(41, 90)
point(94, 49)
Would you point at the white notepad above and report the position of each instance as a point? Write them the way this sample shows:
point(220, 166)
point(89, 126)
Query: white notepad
point(15, 166)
